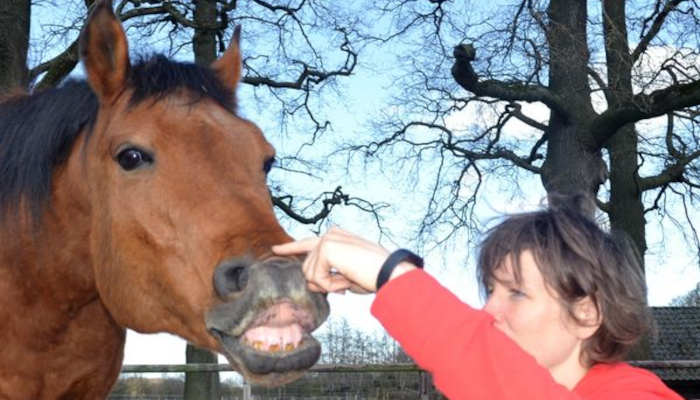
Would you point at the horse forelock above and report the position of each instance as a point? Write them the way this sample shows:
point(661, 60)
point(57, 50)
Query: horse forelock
point(37, 132)
point(157, 77)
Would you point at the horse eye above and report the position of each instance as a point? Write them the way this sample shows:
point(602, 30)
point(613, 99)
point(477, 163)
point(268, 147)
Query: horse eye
point(132, 158)
point(267, 166)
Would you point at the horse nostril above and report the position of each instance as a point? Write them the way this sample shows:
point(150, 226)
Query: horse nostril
point(239, 275)
point(230, 278)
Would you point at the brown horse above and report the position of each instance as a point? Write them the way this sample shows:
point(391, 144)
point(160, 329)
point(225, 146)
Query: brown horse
point(139, 200)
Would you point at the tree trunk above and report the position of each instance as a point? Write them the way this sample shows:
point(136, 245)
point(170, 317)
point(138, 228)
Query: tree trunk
point(204, 40)
point(626, 208)
point(626, 211)
point(573, 163)
point(14, 42)
point(203, 385)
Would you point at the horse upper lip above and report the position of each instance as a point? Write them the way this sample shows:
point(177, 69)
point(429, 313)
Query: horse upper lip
point(269, 314)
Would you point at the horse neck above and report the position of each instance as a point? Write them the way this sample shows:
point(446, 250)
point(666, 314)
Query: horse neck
point(48, 264)
point(58, 338)
point(51, 259)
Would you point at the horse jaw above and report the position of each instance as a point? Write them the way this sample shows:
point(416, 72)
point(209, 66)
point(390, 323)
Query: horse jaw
point(269, 368)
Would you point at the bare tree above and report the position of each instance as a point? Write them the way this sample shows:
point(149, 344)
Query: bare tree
point(564, 90)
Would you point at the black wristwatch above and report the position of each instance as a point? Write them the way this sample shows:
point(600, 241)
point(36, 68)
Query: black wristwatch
point(393, 260)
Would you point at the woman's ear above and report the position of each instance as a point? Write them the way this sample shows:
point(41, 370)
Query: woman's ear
point(588, 317)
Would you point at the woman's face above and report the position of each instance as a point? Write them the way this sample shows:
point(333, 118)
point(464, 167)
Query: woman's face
point(530, 314)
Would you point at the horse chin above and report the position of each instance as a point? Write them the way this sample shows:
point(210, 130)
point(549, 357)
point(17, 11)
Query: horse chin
point(269, 368)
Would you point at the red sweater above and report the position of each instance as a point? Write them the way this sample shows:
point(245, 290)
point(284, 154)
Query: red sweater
point(470, 359)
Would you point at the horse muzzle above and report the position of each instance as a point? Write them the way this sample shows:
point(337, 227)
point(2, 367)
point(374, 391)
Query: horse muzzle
point(264, 324)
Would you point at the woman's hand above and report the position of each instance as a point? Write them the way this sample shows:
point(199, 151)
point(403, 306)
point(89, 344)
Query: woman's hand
point(339, 260)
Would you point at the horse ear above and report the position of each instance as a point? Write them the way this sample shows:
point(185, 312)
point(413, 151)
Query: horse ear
point(104, 52)
point(229, 66)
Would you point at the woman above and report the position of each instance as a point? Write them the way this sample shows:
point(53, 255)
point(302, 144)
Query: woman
point(565, 303)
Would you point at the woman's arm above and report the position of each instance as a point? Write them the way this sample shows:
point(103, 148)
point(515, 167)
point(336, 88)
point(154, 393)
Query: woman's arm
point(468, 357)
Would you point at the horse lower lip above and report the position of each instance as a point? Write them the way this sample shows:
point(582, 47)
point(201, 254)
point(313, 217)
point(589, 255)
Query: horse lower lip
point(266, 362)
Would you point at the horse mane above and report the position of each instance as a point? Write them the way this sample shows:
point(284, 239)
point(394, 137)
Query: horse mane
point(37, 132)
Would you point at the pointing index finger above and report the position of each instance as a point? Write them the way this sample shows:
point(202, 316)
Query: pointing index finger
point(296, 247)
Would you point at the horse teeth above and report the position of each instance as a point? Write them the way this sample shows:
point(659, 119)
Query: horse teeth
point(274, 348)
point(257, 345)
point(289, 347)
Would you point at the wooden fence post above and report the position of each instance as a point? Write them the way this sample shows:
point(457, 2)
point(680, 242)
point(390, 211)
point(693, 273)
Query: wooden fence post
point(201, 385)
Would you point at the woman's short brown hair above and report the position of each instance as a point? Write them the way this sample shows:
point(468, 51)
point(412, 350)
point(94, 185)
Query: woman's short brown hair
point(576, 259)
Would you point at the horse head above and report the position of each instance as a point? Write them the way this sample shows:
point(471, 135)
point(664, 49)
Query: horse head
point(181, 219)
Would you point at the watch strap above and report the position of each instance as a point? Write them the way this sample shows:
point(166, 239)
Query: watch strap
point(395, 259)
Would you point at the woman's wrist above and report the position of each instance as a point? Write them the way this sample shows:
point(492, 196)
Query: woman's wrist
point(401, 269)
point(403, 257)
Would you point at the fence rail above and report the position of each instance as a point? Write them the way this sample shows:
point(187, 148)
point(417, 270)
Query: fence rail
point(174, 368)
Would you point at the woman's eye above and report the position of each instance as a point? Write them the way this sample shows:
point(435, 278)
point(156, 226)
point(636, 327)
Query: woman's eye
point(133, 158)
point(516, 293)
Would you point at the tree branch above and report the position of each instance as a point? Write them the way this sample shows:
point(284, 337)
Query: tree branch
point(57, 68)
point(272, 7)
point(447, 143)
point(515, 109)
point(464, 74)
point(645, 106)
point(60, 66)
point(330, 200)
point(285, 203)
point(309, 73)
point(306, 74)
point(602, 85)
point(655, 28)
point(672, 173)
point(166, 8)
